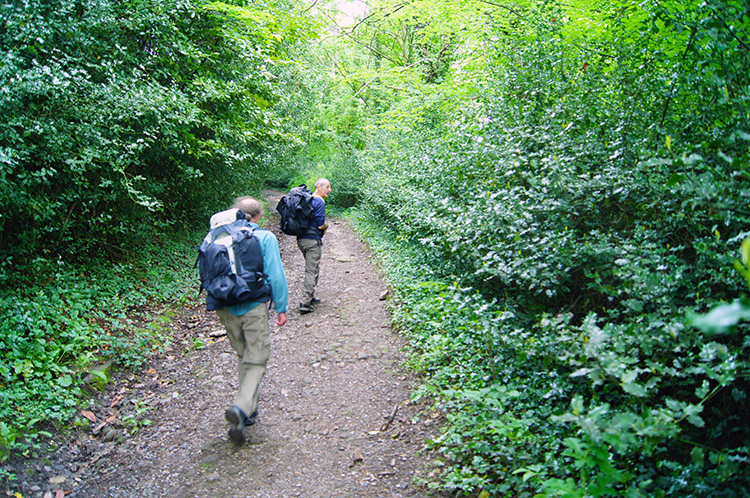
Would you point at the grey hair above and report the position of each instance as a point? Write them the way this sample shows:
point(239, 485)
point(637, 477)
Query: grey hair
point(321, 182)
point(249, 206)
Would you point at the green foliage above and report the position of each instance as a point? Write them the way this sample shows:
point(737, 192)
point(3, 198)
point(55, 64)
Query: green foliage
point(61, 321)
point(323, 126)
point(124, 123)
point(558, 189)
point(564, 209)
point(124, 117)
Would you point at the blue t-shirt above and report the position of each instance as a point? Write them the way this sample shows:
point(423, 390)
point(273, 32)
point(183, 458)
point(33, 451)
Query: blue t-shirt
point(272, 267)
point(319, 215)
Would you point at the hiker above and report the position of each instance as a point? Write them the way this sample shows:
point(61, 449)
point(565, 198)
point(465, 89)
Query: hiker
point(310, 243)
point(248, 328)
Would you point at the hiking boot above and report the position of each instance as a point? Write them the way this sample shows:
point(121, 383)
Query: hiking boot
point(251, 419)
point(305, 308)
point(236, 418)
point(315, 300)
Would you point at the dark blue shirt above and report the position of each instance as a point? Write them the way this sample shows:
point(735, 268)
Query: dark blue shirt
point(319, 215)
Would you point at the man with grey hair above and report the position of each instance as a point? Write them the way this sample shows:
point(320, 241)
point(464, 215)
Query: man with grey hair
point(310, 243)
point(247, 325)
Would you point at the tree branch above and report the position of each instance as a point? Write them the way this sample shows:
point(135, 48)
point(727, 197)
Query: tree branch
point(741, 42)
point(381, 54)
point(310, 7)
point(674, 83)
point(378, 75)
point(509, 9)
point(396, 9)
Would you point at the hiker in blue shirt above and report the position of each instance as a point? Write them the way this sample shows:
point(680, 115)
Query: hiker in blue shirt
point(248, 329)
point(311, 246)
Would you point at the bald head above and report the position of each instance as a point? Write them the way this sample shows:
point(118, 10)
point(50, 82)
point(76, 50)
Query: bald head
point(322, 188)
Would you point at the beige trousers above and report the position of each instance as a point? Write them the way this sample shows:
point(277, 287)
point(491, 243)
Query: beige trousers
point(312, 250)
point(250, 337)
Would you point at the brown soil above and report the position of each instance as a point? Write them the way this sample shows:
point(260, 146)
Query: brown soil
point(335, 417)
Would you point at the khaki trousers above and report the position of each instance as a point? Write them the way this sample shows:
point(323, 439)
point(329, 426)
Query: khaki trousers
point(312, 250)
point(250, 337)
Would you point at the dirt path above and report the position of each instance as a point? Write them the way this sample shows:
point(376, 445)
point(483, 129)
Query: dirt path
point(335, 420)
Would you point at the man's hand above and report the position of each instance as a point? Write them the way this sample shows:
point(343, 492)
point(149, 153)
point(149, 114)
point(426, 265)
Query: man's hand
point(281, 319)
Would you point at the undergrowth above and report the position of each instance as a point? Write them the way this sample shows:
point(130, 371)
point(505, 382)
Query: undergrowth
point(60, 322)
point(544, 406)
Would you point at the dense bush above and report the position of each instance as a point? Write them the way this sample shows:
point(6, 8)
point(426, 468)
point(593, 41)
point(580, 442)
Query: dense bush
point(124, 119)
point(562, 224)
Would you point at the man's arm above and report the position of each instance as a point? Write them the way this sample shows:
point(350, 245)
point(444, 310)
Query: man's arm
point(273, 267)
point(319, 212)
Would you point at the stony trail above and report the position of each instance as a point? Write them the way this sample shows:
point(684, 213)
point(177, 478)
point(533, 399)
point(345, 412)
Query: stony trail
point(335, 417)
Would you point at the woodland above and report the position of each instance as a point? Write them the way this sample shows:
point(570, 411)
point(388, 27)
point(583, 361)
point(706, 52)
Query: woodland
point(558, 192)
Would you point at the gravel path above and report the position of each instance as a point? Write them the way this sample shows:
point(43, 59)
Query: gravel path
point(335, 418)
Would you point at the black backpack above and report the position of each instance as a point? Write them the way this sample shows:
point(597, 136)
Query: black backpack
point(230, 262)
point(296, 210)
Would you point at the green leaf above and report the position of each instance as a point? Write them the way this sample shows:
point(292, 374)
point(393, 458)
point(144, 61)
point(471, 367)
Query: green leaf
point(745, 252)
point(698, 456)
point(675, 179)
point(722, 318)
point(692, 415)
point(65, 380)
point(634, 389)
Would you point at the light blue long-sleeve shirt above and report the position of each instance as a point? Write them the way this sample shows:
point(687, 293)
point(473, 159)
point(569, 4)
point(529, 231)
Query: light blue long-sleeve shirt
point(272, 267)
